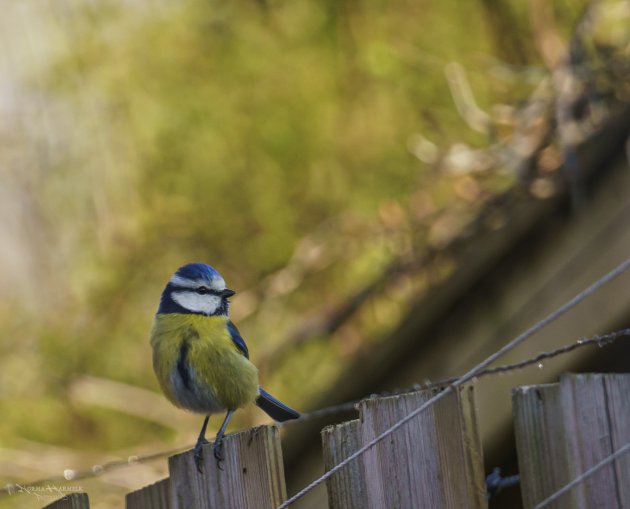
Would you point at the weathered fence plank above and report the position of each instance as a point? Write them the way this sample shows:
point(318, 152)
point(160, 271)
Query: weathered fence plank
point(71, 501)
point(543, 463)
point(154, 496)
point(252, 475)
point(618, 393)
point(564, 429)
point(346, 488)
point(434, 461)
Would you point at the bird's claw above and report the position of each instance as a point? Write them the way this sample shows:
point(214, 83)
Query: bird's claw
point(217, 450)
point(198, 454)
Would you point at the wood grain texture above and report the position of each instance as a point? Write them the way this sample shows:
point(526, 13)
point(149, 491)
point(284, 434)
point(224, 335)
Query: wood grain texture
point(154, 496)
point(434, 461)
point(252, 475)
point(540, 444)
point(596, 411)
point(563, 429)
point(618, 394)
point(71, 501)
point(346, 488)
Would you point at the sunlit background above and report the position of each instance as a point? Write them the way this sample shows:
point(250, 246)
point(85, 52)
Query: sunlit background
point(301, 148)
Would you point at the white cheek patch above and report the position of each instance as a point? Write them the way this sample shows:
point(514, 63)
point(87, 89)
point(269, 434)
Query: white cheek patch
point(192, 301)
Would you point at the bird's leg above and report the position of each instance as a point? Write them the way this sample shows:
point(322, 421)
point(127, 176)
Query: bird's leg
point(218, 442)
point(199, 445)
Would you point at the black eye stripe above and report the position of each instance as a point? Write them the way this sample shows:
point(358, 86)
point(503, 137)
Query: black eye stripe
point(201, 289)
point(204, 290)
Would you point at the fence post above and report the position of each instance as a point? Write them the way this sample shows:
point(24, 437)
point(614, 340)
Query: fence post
point(252, 475)
point(587, 417)
point(434, 461)
point(154, 496)
point(71, 501)
point(346, 488)
point(542, 460)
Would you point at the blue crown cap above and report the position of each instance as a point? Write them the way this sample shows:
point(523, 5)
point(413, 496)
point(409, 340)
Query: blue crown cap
point(194, 272)
point(198, 271)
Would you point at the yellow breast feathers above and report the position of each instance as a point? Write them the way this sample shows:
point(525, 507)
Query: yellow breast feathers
point(199, 366)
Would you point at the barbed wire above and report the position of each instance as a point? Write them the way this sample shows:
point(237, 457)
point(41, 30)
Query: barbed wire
point(99, 469)
point(583, 476)
point(600, 340)
point(617, 271)
point(447, 384)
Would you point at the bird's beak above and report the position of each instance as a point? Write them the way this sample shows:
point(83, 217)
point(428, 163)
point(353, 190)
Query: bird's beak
point(227, 293)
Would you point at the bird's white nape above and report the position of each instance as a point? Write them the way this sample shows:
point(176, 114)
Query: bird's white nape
point(207, 304)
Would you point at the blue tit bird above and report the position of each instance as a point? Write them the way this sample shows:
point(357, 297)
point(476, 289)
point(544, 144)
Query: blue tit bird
point(199, 357)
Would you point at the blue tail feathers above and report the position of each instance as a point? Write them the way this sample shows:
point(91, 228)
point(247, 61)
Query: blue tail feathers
point(274, 408)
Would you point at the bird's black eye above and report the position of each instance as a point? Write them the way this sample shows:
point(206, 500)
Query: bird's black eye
point(202, 290)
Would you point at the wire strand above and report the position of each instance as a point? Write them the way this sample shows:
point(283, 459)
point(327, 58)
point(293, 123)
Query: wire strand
point(583, 476)
point(465, 378)
point(98, 469)
point(600, 340)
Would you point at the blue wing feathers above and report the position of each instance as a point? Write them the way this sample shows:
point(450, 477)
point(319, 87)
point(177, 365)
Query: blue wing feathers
point(238, 339)
point(274, 408)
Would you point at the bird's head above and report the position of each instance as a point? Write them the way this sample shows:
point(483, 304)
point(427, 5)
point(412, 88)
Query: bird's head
point(196, 288)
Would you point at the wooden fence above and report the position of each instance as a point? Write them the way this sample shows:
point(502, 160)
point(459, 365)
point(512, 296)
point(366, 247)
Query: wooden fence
point(434, 461)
